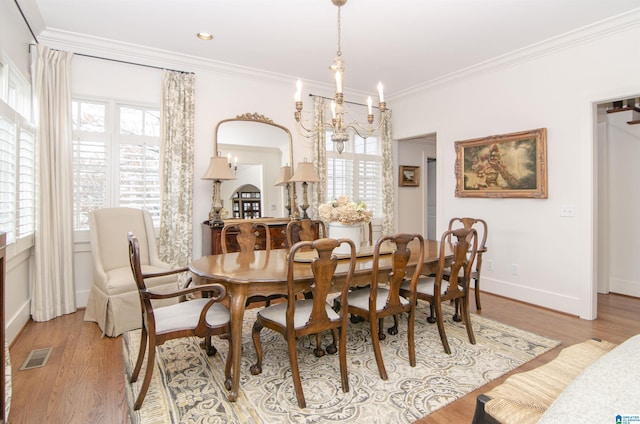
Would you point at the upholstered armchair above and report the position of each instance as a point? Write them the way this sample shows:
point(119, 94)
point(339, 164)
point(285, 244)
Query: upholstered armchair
point(114, 302)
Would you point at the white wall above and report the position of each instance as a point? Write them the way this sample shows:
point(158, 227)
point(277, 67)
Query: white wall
point(553, 88)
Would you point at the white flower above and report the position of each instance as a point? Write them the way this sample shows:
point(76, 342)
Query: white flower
point(344, 211)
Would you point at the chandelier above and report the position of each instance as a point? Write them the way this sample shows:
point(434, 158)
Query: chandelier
point(338, 124)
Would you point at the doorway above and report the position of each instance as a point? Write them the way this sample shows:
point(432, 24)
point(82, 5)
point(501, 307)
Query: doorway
point(416, 204)
point(617, 203)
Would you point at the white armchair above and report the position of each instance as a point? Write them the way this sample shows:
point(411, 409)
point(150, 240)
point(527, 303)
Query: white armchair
point(114, 302)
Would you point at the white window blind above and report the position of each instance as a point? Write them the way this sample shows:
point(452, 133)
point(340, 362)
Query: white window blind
point(116, 158)
point(26, 181)
point(356, 172)
point(8, 142)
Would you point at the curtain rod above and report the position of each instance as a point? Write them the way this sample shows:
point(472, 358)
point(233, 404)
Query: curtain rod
point(346, 101)
point(87, 55)
point(121, 61)
point(24, 18)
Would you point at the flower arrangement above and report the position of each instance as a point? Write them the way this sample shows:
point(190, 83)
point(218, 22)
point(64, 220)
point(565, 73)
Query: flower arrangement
point(345, 211)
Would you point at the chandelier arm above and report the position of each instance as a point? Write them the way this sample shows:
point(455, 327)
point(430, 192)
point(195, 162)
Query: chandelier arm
point(310, 132)
point(363, 132)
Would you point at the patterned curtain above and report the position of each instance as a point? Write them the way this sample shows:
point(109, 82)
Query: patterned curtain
point(388, 192)
point(319, 156)
point(176, 228)
point(53, 289)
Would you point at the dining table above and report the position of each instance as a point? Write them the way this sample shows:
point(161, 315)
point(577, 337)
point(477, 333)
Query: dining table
point(264, 273)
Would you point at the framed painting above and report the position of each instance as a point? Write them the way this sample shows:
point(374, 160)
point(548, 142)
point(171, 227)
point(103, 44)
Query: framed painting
point(409, 176)
point(508, 165)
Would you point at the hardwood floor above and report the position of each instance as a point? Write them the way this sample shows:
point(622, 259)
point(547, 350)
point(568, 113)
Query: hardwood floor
point(83, 380)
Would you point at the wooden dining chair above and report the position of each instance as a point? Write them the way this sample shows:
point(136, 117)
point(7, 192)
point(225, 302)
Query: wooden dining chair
point(481, 228)
point(436, 289)
point(382, 298)
point(248, 237)
point(296, 318)
point(305, 230)
point(201, 317)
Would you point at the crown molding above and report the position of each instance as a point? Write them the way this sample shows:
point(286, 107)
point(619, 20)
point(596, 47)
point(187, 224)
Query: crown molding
point(607, 27)
point(135, 54)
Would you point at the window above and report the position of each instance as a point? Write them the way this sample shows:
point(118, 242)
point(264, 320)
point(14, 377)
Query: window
point(357, 172)
point(17, 155)
point(116, 158)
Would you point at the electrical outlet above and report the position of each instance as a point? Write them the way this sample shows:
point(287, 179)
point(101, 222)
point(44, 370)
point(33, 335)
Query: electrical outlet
point(567, 210)
point(490, 265)
point(514, 269)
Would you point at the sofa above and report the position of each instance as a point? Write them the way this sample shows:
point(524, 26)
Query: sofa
point(590, 382)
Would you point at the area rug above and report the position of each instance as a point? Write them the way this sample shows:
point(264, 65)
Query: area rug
point(187, 386)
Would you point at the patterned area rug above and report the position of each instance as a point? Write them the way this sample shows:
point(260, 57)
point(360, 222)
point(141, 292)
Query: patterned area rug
point(187, 386)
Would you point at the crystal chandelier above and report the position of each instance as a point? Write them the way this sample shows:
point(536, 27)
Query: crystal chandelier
point(338, 125)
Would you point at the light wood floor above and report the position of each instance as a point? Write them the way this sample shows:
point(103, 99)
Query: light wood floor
point(83, 381)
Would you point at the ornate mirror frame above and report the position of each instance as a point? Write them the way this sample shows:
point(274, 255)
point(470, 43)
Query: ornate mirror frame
point(261, 119)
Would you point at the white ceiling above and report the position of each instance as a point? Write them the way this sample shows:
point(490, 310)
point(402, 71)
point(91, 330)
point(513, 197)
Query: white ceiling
point(403, 43)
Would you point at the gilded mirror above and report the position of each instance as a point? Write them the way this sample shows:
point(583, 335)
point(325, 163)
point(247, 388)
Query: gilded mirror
point(257, 148)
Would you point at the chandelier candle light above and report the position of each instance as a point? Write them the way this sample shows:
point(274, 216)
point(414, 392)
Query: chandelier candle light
point(338, 124)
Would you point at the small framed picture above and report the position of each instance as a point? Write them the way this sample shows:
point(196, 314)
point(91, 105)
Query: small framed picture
point(409, 176)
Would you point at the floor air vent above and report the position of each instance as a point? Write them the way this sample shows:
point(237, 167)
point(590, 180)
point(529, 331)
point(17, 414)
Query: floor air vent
point(37, 358)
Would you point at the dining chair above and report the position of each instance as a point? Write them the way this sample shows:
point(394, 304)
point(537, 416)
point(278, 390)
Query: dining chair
point(247, 234)
point(481, 228)
point(247, 239)
point(436, 289)
point(305, 230)
point(200, 317)
point(301, 317)
point(382, 298)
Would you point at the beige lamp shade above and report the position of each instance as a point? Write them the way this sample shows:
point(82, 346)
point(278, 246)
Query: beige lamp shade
point(218, 170)
point(284, 177)
point(305, 173)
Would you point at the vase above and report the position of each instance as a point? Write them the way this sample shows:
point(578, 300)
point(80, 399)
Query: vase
point(338, 230)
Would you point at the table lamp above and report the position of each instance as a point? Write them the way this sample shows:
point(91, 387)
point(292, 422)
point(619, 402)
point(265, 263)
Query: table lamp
point(304, 174)
point(283, 180)
point(218, 171)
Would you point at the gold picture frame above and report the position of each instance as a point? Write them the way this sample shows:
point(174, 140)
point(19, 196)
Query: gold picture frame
point(499, 166)
point(409, 176)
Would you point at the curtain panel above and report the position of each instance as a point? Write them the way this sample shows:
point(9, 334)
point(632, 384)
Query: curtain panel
point(53, 291)
point(178, 115)
point(319, 155)
point(388, 192)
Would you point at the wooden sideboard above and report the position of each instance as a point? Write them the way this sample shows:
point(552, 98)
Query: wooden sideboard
point(212, 245)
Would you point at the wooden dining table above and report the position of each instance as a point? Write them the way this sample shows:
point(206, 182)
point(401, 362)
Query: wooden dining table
point(264, 272)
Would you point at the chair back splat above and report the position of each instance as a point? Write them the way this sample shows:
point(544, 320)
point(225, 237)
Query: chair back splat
point(299, 317)
point(305, 230)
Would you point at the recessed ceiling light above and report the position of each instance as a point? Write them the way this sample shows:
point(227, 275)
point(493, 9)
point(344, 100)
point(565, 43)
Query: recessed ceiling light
point(205, 36)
